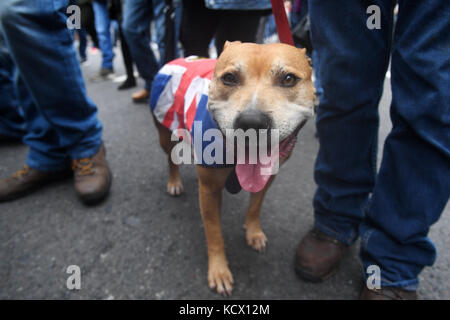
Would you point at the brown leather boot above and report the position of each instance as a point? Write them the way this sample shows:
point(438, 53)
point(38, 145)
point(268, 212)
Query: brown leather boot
point(387, 293)
point(92, 177)
point(27, 180)
point(141, 96)
point(318, 256)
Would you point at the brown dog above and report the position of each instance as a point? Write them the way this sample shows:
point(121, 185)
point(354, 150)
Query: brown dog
point(252, 87)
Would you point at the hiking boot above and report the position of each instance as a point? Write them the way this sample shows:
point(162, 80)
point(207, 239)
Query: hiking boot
point(26, 181)
point(318, 256)
point(92, 177)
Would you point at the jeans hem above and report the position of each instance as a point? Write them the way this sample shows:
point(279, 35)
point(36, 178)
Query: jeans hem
point(107, 66)
point(148, 85)
point(87, 153)
point(409, 285)
point(46, 167)
point(333, 233)
point(13, 134)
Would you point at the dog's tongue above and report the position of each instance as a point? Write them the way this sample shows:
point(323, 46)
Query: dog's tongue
point(251, 176)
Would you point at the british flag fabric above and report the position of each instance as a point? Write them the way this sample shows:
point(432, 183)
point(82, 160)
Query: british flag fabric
point(179, 95)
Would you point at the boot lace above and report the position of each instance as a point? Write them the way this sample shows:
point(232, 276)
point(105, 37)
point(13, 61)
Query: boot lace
point(22, 172)
point(83, 167)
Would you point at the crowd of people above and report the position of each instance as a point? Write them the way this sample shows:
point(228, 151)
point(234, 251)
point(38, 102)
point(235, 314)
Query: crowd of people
point(44, 104)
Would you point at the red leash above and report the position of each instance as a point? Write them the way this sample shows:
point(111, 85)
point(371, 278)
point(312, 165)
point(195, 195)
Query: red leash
point(283, 28)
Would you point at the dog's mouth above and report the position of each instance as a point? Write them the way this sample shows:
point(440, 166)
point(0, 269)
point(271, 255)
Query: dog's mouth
point(252, 176)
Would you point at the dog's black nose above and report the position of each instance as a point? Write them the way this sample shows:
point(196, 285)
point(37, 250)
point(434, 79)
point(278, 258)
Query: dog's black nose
point(252, 119)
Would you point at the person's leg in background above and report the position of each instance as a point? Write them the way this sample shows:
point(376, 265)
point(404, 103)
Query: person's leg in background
point(239, 25)
point(82, 36)
point(178, 7)
point(270, 30)
point(88, 22)
point(299, 11)
point(167, 22)
point(136, 28)
point(115, 10)
point(12, 123)
point(60, 97)
point(130, 81)
point(413, 184)
point(347, 126)
point(316, 66)
point(159, 18)
point(102, 27)
point(198, 26)
point(115, 32)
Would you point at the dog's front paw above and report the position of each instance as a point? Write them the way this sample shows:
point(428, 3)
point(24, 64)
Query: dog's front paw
point(175, 188)
point(256, 239)
point(220, 278)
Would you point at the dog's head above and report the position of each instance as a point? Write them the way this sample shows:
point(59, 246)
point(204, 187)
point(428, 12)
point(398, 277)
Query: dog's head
point(261, 87)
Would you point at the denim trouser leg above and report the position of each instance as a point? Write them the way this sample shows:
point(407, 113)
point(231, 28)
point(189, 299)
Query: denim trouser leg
point(178, 5)
point(52, 75)
point(160, 22)
point(45, 152)
point(20, 118)
point(317, 84)
point(352, 62)
point(159, 15)
point(413, 184)
point(102, 26)
point(136, 27)
point(12, 123)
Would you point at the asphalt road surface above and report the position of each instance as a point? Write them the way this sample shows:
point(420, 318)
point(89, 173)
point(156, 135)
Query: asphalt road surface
point(143, 244)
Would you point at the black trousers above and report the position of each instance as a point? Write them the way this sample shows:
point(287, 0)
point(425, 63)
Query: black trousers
point(199, 25)
point(88, 22)
point(126, 55)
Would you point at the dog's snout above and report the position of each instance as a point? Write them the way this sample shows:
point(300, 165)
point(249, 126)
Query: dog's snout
point(252, 119)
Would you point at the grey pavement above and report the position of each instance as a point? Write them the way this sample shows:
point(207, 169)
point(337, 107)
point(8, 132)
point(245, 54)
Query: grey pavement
point(143, 244)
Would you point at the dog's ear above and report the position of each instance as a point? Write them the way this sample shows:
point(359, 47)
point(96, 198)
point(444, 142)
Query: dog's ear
point(230, 44)
point(303, 52)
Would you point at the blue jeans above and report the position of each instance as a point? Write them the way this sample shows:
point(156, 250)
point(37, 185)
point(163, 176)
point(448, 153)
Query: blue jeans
point(158, 13)
point(160, 21)
point(61, 121)
point(12, 122)
point(178, 6)
point(297, 14)
point(102, 26)
point(136, 27)
point(412, 187)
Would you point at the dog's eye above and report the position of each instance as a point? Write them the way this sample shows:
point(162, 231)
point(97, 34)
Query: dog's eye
point(289, 80)
point(229, 79)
